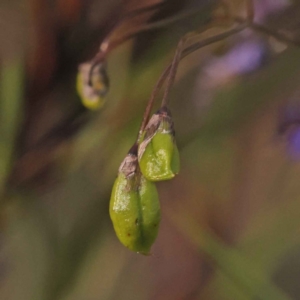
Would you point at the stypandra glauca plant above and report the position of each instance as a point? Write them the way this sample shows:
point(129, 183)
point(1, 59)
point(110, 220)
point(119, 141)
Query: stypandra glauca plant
point(134, 204)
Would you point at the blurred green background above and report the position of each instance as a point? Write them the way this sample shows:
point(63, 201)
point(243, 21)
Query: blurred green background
point(230, 224)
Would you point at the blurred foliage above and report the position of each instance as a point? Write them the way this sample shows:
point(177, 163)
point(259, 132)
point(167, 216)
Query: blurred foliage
point(230, 219)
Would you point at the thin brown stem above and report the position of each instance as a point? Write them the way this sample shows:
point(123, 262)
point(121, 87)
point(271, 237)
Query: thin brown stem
point(258, 27)
point(151, 100)
point(167, 71)
point(270, 32)
point(243, 25)
point(173, 70)
point(213, 39)
point(128, 16)
point(156, 25)
point(179, 49)
point(107, 46)
point(180, 53)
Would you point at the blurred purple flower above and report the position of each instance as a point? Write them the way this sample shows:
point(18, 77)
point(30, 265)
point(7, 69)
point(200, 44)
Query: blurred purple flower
point(242, 59)
point(245, 57)
point(248, 55)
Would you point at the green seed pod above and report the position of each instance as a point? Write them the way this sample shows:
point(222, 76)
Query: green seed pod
point(158, 154)
point(92, 87)
point(134, 207)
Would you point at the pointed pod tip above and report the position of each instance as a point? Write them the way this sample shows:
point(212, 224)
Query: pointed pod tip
point(164, 111)
point(134, 149)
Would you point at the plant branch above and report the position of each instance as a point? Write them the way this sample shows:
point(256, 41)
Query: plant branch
point(173, 70)
point(183, 53)
point(248, 23)
point(155, 25)
point(270, 32)
point(213, 39)
point(178, 56)
point(107, 46)
point(151, 100)
point(128, 16)
point(255, 26)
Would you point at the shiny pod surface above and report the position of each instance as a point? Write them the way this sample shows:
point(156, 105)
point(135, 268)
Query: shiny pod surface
point(92, 86)
point(158, 153)
point(134, 208)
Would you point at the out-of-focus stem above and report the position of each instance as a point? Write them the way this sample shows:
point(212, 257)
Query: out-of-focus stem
point(173, 70)
point(11, 89)
point(178, 56)
point(107, 45)
point(270, 32)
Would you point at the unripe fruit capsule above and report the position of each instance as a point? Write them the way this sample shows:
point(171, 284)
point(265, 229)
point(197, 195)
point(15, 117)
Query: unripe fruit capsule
point(158, 154)
point(134, 207)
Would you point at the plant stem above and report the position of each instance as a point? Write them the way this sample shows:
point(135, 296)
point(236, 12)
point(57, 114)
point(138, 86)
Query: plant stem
point(126, 17)
point(270, 32)
point(107, 46)
point(151, 100)
point(213, 39)
point(11, 95)
point(155, 25)
point(180, 53)
point(173, 70)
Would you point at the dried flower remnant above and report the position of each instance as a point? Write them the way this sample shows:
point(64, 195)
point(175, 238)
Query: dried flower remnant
point(92, 85)
point(134, 206)
point(158, 153)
